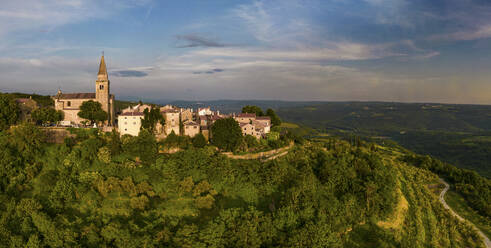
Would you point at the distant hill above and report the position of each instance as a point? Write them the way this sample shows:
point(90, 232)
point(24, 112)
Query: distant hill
point(459, 134)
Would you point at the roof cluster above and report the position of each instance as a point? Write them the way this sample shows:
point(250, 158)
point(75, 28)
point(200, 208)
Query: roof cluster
point(76, 96)
point(132, 114)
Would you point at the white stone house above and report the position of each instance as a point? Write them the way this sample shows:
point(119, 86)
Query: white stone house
point(130, 123)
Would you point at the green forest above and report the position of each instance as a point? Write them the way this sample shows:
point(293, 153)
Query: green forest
point(457, 134)
point(99, 190)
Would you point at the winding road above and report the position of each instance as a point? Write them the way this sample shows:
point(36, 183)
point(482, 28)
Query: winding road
point(486, 240)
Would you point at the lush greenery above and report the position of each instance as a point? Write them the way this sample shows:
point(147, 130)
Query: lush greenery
point(251, 109)
point(99, 190)
point(92, 111)
point(275, 119)
point(9, 111)
point(227, 134)
point(42, 101)
point(457, 134)
point(461, 207)
point(474, 188)
point(151, 118)
point(47, 115)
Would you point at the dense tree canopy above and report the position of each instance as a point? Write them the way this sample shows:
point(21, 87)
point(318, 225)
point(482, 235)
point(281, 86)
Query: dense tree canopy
point(275, 119)
point(103, 191)
point(151, 118)
point(251, 109)
point(226, 134)
point(47, 115)
point(199, 141)
point(9, 111)
point(92, 111)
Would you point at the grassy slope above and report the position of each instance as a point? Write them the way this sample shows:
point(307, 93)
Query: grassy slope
point(458, 204)
point(426, 222)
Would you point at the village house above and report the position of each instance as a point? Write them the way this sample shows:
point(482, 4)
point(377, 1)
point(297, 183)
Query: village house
point(186, 114)
point(263, 123)
point(247, 129)
point(172, 121)
point(204, 111)
point(137, 108)
point(70, 103)
point(245, 118)
point(130, 123)
point(191, 128)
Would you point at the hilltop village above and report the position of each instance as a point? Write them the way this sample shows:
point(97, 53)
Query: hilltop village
point(97, 109)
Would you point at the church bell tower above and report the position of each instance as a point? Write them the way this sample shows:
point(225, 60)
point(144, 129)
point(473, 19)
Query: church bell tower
point(102, 93)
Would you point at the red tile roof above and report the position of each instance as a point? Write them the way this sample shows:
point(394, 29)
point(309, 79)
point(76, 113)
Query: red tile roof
point(169, 111)
point(244, 124)
point(190, 123)
point(132, 114)
point(77, 96)
point(263, 118)
point(246, 115)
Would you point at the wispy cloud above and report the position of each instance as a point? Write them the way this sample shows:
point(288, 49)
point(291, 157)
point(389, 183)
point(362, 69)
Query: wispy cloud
point(479, 33)
point(194, 40)
point(128, 73)
point(209, 72)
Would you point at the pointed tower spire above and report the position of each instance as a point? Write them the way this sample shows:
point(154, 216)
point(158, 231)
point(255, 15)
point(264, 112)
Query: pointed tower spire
point(102, 66)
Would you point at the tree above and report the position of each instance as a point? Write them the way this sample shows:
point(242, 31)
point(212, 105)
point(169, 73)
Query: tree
point(151, 118)
point(275, 120)
point(251, 141)
point(9, 111)
point(47, 115)
point(199, 141)
point(28, 139)
point(172, 140)
point(115, 144)
point(146, 146)
point(251, 109)
point(226, 134)
point(92, 111)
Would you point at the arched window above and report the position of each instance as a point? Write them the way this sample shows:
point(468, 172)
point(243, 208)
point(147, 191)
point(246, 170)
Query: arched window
point(101, 87)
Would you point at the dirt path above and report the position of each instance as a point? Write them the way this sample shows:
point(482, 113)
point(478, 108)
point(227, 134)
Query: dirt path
point(486, 240)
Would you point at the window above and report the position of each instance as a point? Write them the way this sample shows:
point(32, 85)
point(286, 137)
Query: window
point(125, 118)
point(126, 123)
point(101, 87)
point(125, 129)
point(195, 127)
point(134, 123)
point(68, 104)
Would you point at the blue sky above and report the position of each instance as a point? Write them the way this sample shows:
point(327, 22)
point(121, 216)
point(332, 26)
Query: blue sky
point(333, 50)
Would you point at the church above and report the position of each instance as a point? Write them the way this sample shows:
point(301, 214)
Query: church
point(70, 103)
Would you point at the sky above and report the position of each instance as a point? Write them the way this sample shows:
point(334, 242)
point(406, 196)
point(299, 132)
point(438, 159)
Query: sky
point(297, 50)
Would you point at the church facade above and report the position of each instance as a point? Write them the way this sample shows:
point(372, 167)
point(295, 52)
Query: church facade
point(70, 103)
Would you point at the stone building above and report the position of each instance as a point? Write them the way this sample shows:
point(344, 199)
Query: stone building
point(191, 128)
point(70, 103)
point(130, 123)
point(245, 118)
point(172, 121)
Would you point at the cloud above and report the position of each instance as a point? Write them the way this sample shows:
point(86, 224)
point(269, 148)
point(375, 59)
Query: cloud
point(479, 33)
point(128, 73)
point(193, 40)
point(209, 71)
point(46, 15)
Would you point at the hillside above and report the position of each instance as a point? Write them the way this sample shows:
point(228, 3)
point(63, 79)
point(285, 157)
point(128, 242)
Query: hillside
point(97, 190)
point(458, 134)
